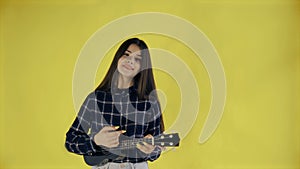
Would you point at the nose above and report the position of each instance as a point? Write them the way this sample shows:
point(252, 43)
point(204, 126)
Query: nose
point(130, 59)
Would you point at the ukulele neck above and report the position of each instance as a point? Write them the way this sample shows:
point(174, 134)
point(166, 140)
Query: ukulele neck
point(131, 143)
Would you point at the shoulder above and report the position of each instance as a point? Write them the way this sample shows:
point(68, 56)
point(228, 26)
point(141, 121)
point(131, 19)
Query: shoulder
point(152, 103)
point(102, 95)
point(153, 100)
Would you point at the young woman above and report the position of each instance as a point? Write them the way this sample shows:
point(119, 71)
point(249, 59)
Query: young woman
point(125, 104)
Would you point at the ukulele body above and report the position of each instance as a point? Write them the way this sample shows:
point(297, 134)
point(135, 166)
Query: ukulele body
point(102, 158)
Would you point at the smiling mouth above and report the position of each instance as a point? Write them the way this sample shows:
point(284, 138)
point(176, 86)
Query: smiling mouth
point(128, 67)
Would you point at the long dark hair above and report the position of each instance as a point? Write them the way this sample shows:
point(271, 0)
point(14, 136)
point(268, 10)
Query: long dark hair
point(144, 80)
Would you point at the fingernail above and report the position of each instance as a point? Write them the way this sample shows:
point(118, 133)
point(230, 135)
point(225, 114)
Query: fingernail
point(123, 131)
point(116, 127)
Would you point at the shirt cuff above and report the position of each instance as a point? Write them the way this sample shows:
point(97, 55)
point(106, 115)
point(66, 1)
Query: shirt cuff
point(154, 154)
point(92, 147)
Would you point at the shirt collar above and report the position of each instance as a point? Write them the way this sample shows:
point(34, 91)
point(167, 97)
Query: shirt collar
point(117, 91)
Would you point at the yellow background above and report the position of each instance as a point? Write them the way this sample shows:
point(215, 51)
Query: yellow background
point(258, 43)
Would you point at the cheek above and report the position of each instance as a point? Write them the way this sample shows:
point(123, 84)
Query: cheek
point(120, 60)
point(138, 67)
point(119, 64)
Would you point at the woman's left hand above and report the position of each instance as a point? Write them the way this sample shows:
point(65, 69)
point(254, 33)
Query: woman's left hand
point(146, 148)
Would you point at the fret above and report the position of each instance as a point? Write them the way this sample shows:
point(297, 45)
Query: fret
point(162, 140)
point(127, 144)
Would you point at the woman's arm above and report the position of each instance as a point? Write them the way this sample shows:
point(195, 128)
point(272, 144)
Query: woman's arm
point(77, 139)
point(154, 129)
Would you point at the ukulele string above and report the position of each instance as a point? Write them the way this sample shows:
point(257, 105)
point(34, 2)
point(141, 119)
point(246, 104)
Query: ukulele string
point(128, 144)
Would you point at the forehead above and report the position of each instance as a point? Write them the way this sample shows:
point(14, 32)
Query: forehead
point(133, 48)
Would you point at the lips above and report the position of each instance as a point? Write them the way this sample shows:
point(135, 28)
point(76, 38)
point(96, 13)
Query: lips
point(128, 67)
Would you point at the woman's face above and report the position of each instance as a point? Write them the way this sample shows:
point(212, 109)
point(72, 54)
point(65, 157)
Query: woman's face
point(130, 63)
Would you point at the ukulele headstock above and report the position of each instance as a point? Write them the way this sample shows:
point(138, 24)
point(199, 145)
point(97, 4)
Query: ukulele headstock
point(167, 140)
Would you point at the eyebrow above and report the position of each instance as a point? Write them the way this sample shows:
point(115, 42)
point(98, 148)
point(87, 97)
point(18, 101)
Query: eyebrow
point(131, 52)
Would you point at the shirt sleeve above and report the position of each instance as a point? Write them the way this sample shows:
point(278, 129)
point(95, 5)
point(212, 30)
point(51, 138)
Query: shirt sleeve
point(78, 140)
point(154, 128)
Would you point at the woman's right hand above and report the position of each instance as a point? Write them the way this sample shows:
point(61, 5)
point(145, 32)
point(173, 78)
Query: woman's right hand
point(108, 137)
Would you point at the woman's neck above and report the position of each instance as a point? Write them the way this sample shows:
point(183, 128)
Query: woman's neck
point(124, 82)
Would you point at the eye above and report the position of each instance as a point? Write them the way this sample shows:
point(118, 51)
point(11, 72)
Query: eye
point(138, 59)
point(126, 54)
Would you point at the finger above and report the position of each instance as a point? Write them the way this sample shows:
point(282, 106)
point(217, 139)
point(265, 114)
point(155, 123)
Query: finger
point(110, 136)
point(140, 147)
point(114, 128)
point(110, 128)
point(115, 133)
point(144, 149)
point(119, 131)
point(162, 148)
point(111, 145)
point(149, 136)
point(148, 146)
point(114, 143)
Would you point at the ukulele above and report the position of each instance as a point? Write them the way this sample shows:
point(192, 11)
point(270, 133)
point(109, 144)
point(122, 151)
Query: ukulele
point(111, 154)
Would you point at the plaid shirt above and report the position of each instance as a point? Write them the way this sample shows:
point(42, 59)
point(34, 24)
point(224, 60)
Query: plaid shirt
point(122, 108)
